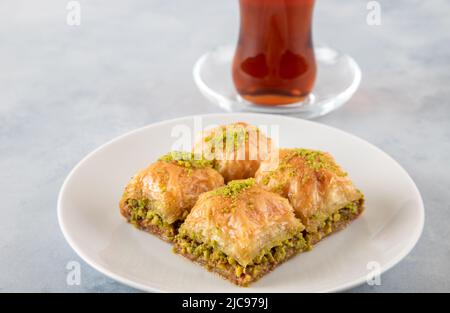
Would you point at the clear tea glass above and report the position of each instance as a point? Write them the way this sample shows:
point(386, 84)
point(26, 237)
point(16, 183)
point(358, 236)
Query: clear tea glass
point(274, 62)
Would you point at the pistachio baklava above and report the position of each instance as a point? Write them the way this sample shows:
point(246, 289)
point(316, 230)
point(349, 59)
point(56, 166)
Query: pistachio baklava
point(241, 232)
point(320, 192)
point(237, 149)
point(158, 198)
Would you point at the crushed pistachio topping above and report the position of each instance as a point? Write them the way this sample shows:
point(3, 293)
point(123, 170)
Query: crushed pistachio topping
point(288, 171)
point(234, 187)
point(230, 137)
point(142, 215)
point(315, 160)
point(210, 253)
point(352, 207)
point(326, 224)
point(188, 160)
point(266, 180)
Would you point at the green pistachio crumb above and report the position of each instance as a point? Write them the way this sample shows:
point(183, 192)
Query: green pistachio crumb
point(234, 188)
point(230, 137)
point(266, 180)
point(214, 258)
point(187, 160)
point(317, 160)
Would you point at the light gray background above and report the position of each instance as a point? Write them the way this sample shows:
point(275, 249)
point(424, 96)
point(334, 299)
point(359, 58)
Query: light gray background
point(66, 90)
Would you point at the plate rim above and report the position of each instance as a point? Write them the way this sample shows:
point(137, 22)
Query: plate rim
point(152, 288)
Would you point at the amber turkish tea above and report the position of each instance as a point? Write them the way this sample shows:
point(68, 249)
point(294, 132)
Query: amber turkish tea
point(274, 63)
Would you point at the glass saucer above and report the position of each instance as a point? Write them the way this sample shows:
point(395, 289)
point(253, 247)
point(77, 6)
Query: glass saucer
point(338, 77)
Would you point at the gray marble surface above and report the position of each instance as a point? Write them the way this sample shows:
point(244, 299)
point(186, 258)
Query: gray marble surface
point(66, 90)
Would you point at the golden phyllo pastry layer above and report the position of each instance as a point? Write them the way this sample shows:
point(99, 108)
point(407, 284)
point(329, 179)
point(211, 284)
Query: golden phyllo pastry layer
point(159, 197)
point(314, 183)
point(240, 231)
point(236, 148)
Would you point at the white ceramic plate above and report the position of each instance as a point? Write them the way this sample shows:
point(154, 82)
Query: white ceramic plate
point(387, 231)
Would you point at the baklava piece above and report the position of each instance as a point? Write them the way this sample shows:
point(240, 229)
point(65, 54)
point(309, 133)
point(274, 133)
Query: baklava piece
point(159, 198)
point(240, 231)
point(236, 148)
point(321, 193)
